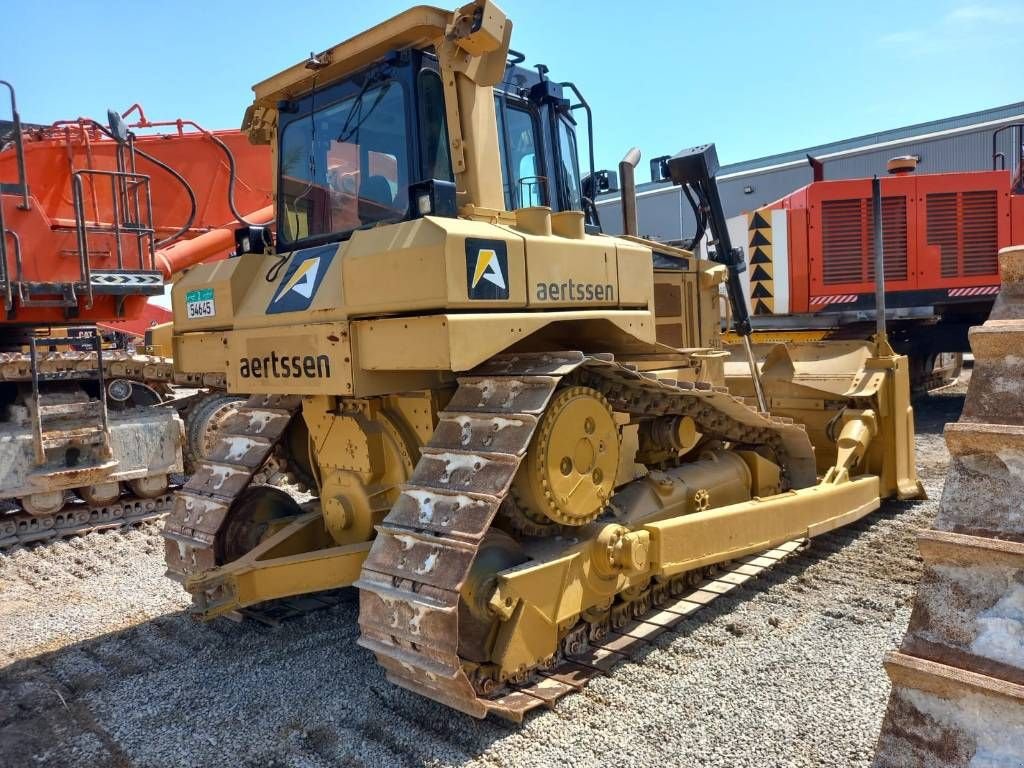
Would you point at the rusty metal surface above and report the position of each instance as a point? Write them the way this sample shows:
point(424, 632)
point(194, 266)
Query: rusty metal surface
point(117, 363)
point(958, 677)
point(244, 442)
point(134, 451)
point(411, 581)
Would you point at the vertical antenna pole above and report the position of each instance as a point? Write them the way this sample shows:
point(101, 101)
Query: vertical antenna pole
point(876, 212)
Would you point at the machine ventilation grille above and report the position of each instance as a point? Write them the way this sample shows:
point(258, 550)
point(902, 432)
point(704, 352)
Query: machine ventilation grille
point(964, 225)
point(848, 241)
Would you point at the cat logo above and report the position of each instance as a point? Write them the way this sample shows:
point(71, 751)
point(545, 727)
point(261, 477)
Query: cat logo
point(486, 269)
point(299, 284)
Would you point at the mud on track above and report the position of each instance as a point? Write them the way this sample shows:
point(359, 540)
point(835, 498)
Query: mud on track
point(100, 665)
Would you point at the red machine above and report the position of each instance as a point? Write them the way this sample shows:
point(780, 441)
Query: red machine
point(88, 212)
point(94, 219)
point(941, 235)
point(811, 268)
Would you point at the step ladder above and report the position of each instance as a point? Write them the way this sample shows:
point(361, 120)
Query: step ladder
point(89, 427)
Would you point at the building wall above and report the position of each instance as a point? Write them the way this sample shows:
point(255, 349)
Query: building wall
point(962, 143)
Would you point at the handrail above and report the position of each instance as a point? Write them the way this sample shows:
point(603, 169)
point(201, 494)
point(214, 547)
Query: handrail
point(1000, 156)
point(121, 196)
point(19, 148)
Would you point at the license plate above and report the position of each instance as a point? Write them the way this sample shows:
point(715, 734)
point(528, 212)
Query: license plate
point(200, 304)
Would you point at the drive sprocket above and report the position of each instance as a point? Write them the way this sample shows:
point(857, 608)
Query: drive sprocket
point(569, 471)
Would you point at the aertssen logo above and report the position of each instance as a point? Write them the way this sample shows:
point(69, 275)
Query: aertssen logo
point(486, 269)
point(300, 282)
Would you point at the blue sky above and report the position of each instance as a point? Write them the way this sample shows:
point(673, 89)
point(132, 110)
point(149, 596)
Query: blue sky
point(756, 78)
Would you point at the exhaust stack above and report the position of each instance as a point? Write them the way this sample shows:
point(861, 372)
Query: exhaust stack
point(627, 178)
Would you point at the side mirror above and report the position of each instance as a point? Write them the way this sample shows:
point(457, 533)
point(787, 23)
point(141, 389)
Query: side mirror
point(602, 182)
point(117, 126)
point(659, 168)
point(253, 238)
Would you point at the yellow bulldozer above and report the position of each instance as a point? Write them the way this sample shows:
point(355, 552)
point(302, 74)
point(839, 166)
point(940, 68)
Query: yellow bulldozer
point(526, 440)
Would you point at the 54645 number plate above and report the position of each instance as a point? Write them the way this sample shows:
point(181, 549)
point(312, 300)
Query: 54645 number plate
point(200, 304)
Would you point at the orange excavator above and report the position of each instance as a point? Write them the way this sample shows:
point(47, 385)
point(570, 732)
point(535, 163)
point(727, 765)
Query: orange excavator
point(95, 220)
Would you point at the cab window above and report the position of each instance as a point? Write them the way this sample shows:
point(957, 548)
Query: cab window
point(437, 159)
point(343, 166)
point(568, 166)
point(520, 160)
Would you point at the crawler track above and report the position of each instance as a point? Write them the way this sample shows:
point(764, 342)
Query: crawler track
point(409, 615)
point(244, 443)
point(17, 528)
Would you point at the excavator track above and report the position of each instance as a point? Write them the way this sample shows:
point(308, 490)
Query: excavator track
point(245, 441)
point(118, 363)
point(410, 585)
point(958, 678)
point(20, 528)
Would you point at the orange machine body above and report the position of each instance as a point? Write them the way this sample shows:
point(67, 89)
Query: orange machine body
point(941, 233)
point(98, 257)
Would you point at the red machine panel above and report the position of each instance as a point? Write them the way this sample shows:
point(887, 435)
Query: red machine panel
point(941, 235)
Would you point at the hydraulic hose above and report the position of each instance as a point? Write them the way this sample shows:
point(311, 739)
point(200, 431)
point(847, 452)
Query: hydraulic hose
point(232, 175)
point(183, 181)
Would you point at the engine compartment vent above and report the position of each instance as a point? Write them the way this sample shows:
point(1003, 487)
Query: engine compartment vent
point(847, 233)
point(964, 225)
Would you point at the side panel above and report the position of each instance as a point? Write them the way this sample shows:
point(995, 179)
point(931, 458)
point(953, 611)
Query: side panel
point(298, 360)
point(962, 222)
point(799, 261)
point(433, 263)
point(841, 236)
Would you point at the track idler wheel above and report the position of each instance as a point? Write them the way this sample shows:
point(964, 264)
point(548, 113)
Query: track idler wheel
point(124, 393)
point(250, 519)
point(203, 423)
point(43, 504)
point(569, 471)
point(477, 623)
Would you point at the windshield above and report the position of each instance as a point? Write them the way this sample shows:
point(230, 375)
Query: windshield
point(345, 165)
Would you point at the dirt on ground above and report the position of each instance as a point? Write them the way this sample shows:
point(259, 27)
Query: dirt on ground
point(100, 664)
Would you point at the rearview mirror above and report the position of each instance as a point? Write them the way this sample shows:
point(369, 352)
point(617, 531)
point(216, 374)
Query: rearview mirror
point(601, 183)
point(117, 126)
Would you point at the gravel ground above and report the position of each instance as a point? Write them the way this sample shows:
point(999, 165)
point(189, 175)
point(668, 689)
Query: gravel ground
point(99, 665)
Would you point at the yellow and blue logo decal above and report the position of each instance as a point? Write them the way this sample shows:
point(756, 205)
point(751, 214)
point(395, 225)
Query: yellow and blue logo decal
point(486, 269)
point(301, 280)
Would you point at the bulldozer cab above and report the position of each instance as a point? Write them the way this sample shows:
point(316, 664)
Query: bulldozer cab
point(373, 147)
point(376, 144)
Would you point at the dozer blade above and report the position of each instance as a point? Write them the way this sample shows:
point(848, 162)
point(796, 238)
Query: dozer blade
point(958, 678)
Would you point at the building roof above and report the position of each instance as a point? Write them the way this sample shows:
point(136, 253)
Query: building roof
point(879, 137)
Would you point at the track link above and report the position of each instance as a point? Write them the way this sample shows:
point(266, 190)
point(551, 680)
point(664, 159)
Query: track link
point(411, 582)
point(244, 443)
point(20, 528)
point(118, 364)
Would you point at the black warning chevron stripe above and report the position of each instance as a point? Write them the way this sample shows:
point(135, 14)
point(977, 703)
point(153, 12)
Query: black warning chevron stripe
point(758, 222)
point(758, 238)
point(762, 280)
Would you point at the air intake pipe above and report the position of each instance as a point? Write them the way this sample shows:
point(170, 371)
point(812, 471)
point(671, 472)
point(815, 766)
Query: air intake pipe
point(627, 178)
